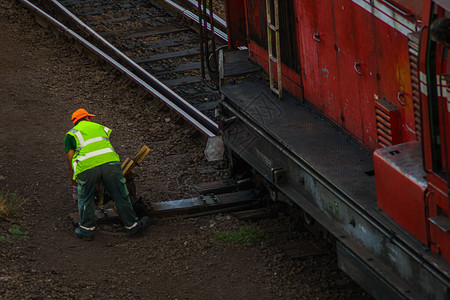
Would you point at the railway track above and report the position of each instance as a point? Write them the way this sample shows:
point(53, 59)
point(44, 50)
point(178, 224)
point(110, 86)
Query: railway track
point(156, 49)
point(114, 58)
point(164, 45)
point(159, 51)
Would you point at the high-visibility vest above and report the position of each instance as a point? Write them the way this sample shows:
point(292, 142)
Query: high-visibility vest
point(93, 147)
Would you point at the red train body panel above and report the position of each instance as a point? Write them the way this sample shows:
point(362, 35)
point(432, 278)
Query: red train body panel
point(371, 68)
point(349, 60)
point(406, 204)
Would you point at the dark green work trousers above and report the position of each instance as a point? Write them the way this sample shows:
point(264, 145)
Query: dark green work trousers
point(111, 176)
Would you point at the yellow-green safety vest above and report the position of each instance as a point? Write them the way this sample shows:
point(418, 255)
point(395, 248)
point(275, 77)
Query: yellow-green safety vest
point(93, 147)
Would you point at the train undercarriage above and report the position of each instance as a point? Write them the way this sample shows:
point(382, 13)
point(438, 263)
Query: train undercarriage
point(308, 162)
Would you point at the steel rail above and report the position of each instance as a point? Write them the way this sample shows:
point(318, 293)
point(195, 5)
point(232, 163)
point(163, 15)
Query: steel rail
point(72, 34)
point(219, 33)
point(143, 74)
point(217, 19)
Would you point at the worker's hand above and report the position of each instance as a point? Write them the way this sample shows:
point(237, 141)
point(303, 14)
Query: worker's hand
point(75, 194)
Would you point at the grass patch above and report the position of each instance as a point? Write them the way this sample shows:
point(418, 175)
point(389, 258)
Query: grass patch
point(17, 233)
point(245, 235)
point(14, 233)
point(10, 203)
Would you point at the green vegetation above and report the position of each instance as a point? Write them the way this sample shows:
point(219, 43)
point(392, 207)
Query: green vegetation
point(14, 233)
point(246, 234)
point(10, 203)
point(17, 233)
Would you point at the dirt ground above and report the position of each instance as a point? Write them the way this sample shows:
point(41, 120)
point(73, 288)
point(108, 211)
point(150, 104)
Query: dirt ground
point(42, 81)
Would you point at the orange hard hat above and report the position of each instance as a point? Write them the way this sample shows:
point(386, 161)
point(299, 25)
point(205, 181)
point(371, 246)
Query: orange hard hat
point(80, 114)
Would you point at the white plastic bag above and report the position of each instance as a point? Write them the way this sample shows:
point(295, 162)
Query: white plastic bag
point(214, 148)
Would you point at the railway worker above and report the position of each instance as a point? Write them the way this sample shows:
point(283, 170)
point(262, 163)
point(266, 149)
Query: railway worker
point(92, 159)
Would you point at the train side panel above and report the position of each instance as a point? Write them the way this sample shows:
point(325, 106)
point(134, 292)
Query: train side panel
point(236, 29)
point(308, 51)
point(257, 35)
point(351, 55)
point(366, 66)
point(368, 83)
point(349, 68)
point(435, 92)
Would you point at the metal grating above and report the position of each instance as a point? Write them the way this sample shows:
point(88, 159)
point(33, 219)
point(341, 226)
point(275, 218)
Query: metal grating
point(413, 45)
point(386, 116)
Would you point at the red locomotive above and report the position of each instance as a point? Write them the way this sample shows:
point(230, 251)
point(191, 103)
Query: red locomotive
point(348, 78)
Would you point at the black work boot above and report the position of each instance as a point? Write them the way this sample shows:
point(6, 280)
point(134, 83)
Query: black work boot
point(82, 236)
point(144, 224)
